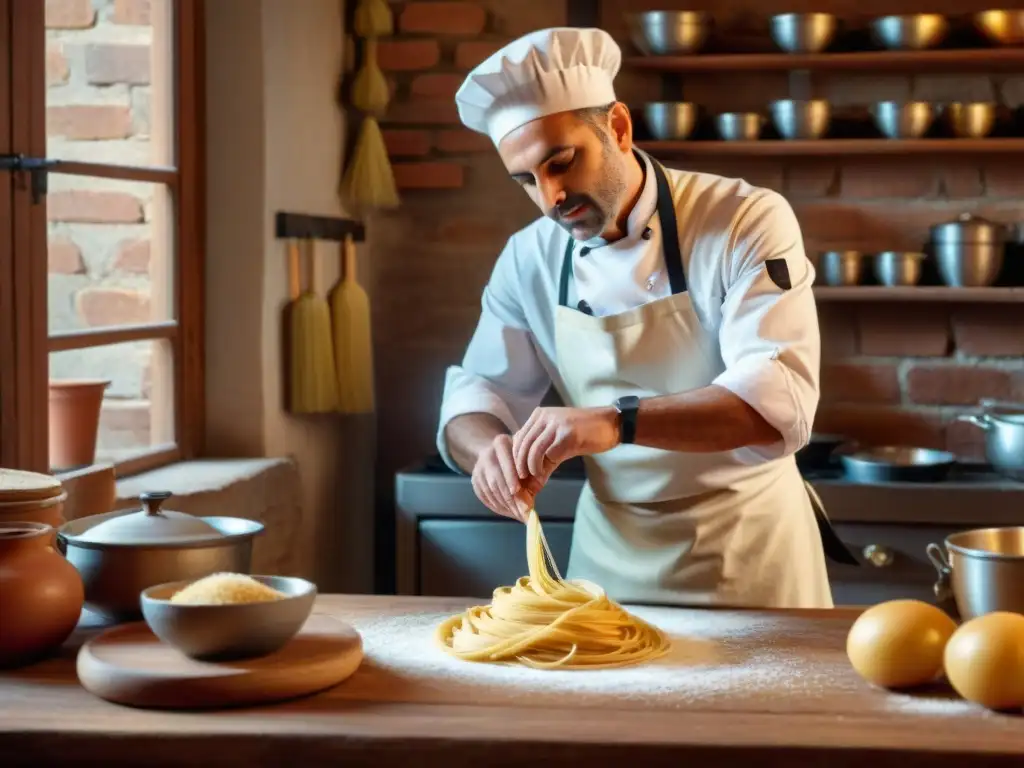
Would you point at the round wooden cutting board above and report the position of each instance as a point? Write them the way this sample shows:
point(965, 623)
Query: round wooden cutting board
point(130, 665)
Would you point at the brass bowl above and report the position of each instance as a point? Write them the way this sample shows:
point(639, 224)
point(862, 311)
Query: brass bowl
point(914, 31)
point(971, 120)
point(1001, 27)
point(667, 33)
point(796, 119)
point(739, 126)
point(839, 268)
point(670, 120)
point(898, 268)
point(904, 120)
point(803, 32)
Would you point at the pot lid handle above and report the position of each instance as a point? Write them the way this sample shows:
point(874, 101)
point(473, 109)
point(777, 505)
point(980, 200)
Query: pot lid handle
point(151, 501)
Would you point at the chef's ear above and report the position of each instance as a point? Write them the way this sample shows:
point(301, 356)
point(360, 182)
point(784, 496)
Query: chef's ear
point(620, 123)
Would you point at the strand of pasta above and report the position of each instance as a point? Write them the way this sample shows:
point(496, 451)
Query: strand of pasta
point(545, 621)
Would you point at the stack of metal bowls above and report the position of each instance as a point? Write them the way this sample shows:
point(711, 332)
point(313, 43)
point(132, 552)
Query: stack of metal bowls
point(915, 31)
point(801, 119)
point(1001, 27)
point(803, 32)
point(668, 33)
point(904, 120)
point(671, 120)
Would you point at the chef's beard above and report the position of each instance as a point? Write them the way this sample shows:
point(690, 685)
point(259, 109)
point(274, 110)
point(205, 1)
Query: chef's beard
point(602, 203)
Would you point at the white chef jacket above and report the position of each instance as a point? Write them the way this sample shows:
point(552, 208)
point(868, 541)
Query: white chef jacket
point(768, 336)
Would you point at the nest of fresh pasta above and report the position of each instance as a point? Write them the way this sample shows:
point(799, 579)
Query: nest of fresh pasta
point(546, 622)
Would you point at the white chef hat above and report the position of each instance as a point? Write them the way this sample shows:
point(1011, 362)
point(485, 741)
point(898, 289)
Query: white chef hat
point(542, 73)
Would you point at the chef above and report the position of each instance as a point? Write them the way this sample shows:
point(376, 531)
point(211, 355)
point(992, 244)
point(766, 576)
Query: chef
point(672, 312)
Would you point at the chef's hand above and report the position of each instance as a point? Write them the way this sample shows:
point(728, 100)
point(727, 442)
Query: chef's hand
point(554, 435)
point(498, 485)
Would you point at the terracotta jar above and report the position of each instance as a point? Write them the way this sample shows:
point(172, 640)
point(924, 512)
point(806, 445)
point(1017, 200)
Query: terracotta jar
point(31, 497)
point(75, 406)
point(41, 594)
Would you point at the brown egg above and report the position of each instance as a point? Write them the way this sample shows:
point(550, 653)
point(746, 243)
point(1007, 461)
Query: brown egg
point(899, 643)
point(984, 660)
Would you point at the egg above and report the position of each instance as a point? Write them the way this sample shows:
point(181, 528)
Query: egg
point(899, 643)
point(984, 660)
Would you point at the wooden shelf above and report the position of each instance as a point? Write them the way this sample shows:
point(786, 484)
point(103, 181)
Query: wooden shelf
point(821, 147)
point(975, 59)
point(920, 293)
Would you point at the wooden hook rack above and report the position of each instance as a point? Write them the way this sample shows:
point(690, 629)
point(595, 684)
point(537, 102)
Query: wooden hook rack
point(301, 226)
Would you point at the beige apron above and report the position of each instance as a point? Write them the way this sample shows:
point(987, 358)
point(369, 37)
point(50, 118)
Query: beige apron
point(656, 526)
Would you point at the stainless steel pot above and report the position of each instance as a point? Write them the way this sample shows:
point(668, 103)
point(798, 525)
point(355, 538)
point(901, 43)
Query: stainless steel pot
point(969, 251)
point(118, 554)
point(1004, 440)
point(983, 569)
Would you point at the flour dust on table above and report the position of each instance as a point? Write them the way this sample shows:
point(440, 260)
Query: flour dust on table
point(718, 659)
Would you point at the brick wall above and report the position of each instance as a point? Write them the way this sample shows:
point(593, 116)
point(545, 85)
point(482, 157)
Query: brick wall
point(892, 372)
point(98, 77)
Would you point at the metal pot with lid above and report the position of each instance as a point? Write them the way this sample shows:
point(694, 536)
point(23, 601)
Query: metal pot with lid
point(969, 251)
point(119, 554)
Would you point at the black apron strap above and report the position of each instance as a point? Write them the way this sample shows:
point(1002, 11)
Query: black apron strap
point(835, 549)
point(563, 283)
point(669, 231)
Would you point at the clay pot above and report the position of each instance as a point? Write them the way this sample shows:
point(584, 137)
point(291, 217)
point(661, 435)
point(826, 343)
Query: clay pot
point(41, 594)
point(75, 421)
point(31, 497)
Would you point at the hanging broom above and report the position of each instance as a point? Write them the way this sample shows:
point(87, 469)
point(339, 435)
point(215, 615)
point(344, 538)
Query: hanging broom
point(369, 182)
point(373, 19)
point(350, 307)
point(314, 384)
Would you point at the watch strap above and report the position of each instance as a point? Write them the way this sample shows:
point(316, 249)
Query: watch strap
point(627, 408)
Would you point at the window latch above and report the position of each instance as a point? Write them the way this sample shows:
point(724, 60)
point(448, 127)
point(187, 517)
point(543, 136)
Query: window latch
point(37, 169)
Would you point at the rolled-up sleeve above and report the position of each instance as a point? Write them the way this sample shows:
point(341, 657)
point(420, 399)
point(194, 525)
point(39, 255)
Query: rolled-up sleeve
point(769, 330)
point(501, 372)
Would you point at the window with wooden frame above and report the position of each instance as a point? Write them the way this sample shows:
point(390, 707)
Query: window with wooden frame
point(101, 226)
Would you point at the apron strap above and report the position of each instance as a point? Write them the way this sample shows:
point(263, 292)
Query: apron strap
point(669, 231)
point(669, 236)
point(563, 283)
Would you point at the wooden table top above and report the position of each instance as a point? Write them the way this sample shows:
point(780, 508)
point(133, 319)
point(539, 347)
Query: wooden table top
point(750, 688)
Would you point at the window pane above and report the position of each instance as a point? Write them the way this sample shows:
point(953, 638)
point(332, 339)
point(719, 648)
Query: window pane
point(138, 405)
point(109, 82)
point(111, 252)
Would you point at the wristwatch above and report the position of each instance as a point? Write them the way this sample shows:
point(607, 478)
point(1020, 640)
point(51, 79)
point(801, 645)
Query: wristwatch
point(627, 407)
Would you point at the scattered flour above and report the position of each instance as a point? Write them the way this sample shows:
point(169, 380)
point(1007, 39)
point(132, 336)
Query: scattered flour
point(718, 660)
